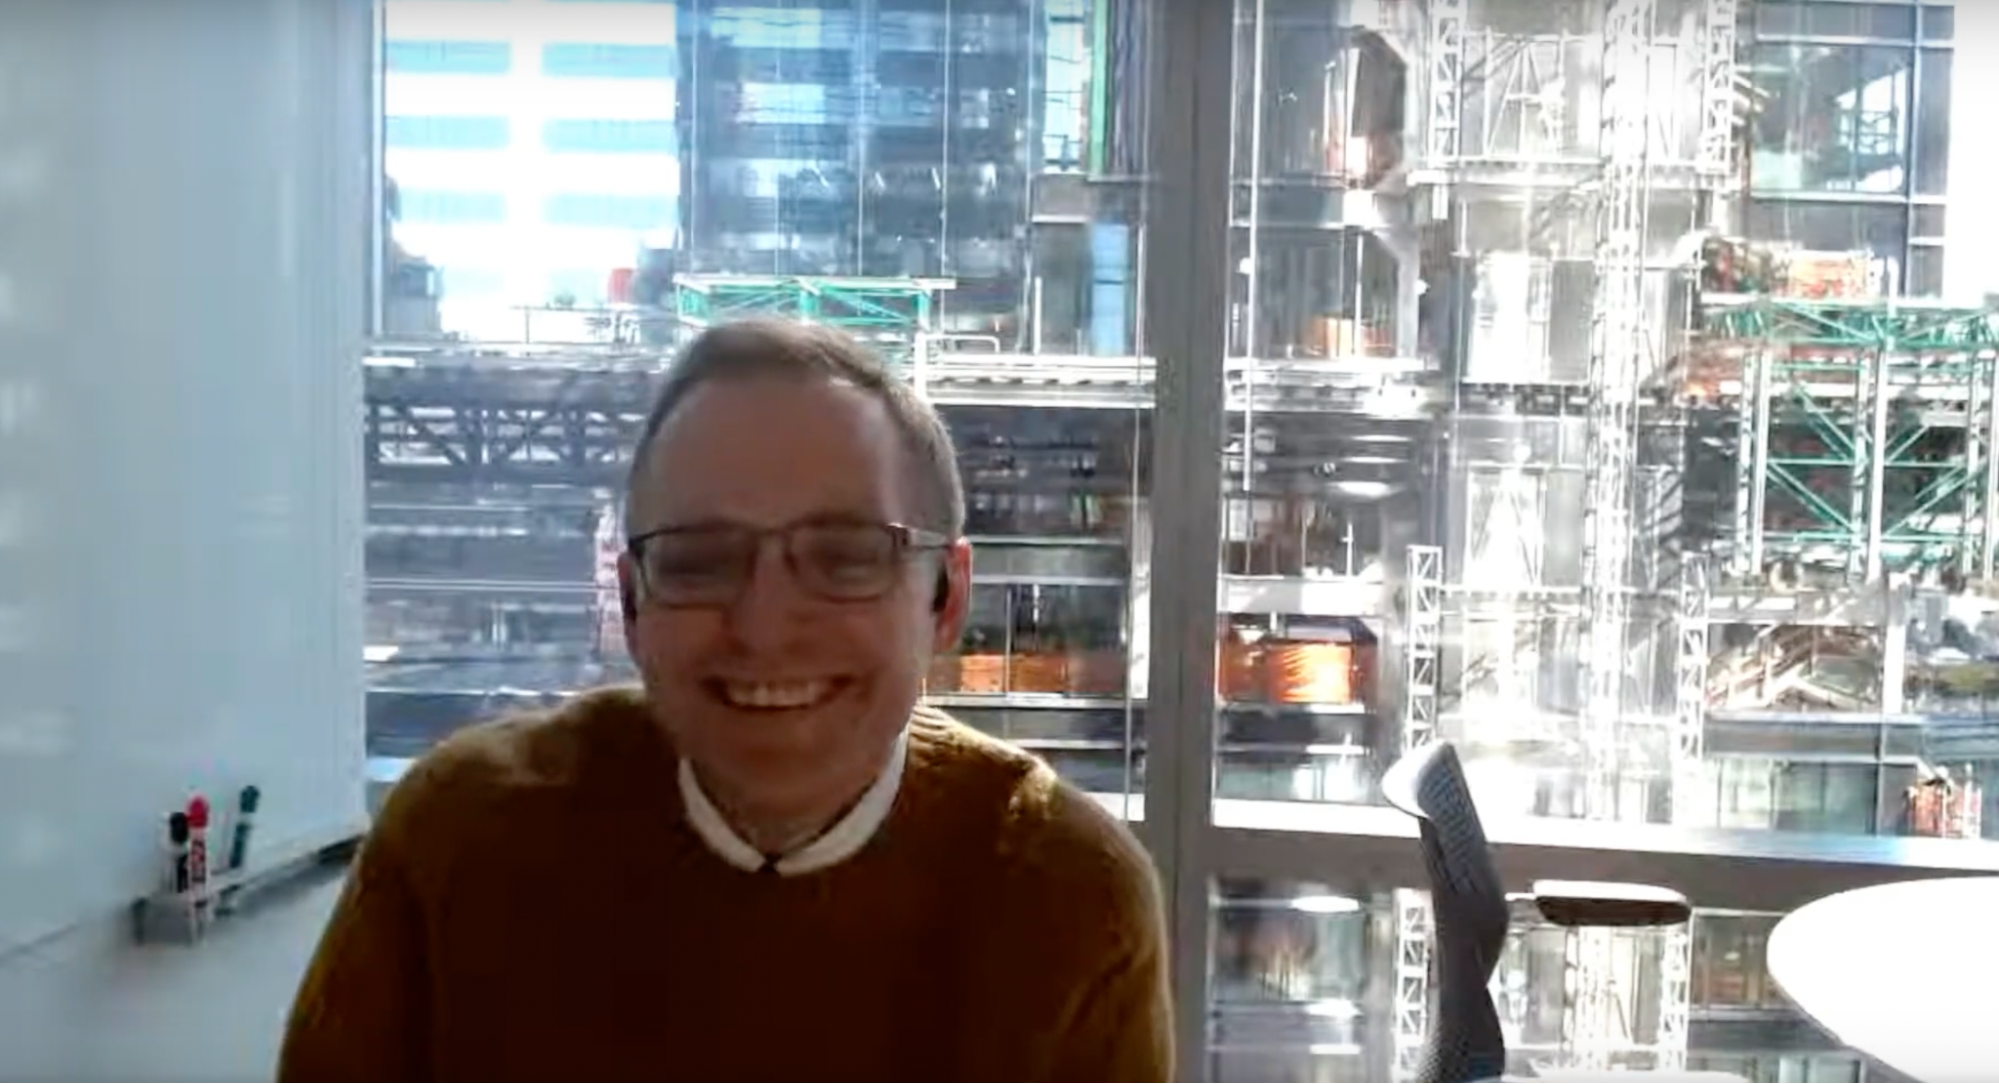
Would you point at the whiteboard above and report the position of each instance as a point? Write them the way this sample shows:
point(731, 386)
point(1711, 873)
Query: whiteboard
point(181, 303)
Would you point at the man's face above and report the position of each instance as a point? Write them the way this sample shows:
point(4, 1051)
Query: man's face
point(785, 700)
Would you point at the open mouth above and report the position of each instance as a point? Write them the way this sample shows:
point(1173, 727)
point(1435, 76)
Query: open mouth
point(776, 695)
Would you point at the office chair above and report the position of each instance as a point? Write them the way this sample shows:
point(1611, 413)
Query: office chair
point(1470, 913)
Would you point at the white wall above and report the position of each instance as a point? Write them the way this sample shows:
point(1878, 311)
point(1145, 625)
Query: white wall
point(92, 1006)
point(183, 214)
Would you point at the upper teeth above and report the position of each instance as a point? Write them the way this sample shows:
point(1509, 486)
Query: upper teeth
point(764, 694)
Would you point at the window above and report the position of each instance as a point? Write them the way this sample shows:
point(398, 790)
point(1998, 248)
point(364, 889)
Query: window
point(1933, 76)
point(449, 57)
point(1880, 230)
point(1790, 18)
point(609, 136)
point(1831, 118)
point(795, 103)
point(1926, 267)
point(1363, 369)
point(609, 61)
point(782, 28)
point(452, 208)
point(609, 212)
point(435, 133)
point(913, 31)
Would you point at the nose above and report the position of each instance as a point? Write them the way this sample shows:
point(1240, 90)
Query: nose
point(766, 611)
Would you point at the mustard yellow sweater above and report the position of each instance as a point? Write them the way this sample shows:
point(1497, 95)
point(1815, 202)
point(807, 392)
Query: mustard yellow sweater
point(533, 905)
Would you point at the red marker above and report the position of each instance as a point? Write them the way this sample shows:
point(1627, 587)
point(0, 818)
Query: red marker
point(197, 845)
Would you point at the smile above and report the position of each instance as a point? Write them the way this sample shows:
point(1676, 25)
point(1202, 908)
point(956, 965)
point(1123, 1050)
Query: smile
point(776, 695)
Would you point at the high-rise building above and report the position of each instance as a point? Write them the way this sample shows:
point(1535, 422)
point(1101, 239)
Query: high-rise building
point(1848, 113)
point(882, 138)
point(532, 147)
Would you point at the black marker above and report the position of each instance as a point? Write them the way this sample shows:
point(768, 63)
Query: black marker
point(177, 839)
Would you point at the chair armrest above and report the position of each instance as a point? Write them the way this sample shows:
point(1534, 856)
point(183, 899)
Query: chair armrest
point(1605, 903)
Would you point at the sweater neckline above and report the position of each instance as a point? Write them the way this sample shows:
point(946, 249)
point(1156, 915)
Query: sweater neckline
point(838, 843)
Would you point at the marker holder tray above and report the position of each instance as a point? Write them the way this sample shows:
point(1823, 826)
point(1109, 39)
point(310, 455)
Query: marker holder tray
point(178, 918)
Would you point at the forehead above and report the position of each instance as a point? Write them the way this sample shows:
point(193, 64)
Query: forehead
point(769, 450)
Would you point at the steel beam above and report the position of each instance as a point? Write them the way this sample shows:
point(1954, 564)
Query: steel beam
point(1446, 55)
point(1718, 95)
point(1864, 435)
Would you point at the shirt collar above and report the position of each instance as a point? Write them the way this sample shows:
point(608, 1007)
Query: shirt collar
point(837, 844)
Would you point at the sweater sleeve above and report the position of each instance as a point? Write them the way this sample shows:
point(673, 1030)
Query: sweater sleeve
point(361, 1010)
point(1121, 1028)
point(1076, 942)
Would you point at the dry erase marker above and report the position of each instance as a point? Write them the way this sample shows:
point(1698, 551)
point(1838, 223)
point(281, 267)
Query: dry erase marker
point(177, 832)
point(197, 849)
point(239, 835)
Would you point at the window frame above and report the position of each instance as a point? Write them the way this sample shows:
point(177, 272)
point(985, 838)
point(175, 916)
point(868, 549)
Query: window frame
point(1184, 263)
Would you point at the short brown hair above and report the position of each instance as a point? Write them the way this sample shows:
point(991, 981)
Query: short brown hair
point(784, 348)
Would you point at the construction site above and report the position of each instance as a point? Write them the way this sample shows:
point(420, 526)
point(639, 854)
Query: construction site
point(1538, 441)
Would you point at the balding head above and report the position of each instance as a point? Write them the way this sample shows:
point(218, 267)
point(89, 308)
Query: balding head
point(785, 350)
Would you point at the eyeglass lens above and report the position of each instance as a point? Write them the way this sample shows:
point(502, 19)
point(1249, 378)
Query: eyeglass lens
point(712, 564)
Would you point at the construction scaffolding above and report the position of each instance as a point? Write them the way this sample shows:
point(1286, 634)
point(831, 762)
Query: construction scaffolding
point(1676, 948)
point(1864, 435)
point(887, 313)
point(1422, 620)
point(1575, 151)
point(1617, 359)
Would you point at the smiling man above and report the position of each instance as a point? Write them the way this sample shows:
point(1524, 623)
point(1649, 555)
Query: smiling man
point(771, 863)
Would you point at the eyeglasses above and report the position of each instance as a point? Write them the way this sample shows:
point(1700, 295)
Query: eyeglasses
point(834, 561)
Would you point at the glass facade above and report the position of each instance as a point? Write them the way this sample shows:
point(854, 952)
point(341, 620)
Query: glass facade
point(1643, 494)
point(1850, 131)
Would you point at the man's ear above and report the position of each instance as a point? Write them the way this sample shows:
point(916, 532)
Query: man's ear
point(628, 592)
point(951, 607)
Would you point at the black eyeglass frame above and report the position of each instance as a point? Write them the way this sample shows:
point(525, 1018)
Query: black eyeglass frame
point(905, 542)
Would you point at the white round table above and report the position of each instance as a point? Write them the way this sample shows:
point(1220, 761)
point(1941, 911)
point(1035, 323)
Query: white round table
point(1904, 973)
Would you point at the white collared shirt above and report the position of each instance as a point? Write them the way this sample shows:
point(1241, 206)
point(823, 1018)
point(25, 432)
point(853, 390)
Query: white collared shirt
point(835, 845)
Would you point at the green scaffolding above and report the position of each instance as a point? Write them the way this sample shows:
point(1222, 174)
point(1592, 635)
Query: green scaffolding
point(887, 313)
point(1865, 434)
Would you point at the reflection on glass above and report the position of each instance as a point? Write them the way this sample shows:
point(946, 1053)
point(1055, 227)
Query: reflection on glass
point(1310, 985)
point(1409, 449)
point(1415, 438)
point(1326, 430)
point(1933, 75)
point(1289, 985)
point(1879, 233)
point(1811, 18)
point(1831, 118)
point(955, 185)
